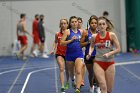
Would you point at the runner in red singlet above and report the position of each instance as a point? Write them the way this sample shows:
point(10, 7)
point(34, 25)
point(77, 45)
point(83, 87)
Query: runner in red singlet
point(105, 41)
point(60, 54)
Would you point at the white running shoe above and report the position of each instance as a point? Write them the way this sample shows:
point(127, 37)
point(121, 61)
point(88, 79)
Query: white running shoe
point(97, 89)
point(35, 53)
point(91, 89)
point(45, 56)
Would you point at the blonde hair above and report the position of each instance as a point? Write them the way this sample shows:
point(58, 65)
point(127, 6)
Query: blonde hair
point(110, 27)
point(61, 20)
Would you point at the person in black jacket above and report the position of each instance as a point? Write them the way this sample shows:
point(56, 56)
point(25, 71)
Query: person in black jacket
point(41, 30)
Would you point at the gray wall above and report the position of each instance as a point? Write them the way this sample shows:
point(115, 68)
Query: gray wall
point(53, 10)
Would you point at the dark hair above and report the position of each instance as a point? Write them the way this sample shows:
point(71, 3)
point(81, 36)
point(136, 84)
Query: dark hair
point(90, 19)
point(110, 25)
point(105, 13)
point(22, 15)
point(79, 18)
point(72, 17)
point(41, 17)
point(36, 15)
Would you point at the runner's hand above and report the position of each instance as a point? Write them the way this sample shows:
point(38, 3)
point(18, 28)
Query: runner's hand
point(88, 57)
point(106, 55)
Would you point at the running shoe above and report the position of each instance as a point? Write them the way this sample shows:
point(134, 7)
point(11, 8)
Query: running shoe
point(97, 89)
point(24, 58)
point(77, 91)
point(18, 55)
point(91, 89)
point(62, 90)
point(67, 86)
point(73, 84)
point(35, 53)
point(45, 56)
point(82, 83)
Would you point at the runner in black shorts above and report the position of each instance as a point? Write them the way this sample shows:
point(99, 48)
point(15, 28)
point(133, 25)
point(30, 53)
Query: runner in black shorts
point(60, 52)
point(56, 55)
point(85, 42)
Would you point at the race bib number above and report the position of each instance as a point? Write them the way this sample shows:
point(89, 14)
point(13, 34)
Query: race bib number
point(107, 43)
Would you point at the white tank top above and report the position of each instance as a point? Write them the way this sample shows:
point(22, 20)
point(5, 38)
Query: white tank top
point(20, 29)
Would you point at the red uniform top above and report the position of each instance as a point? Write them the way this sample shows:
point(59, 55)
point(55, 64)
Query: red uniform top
point(35, 27)
point(103, 45)
point(35, 31)
point(61, 50)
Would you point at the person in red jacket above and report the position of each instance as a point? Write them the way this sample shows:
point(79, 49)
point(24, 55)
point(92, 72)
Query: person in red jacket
point(35, 32)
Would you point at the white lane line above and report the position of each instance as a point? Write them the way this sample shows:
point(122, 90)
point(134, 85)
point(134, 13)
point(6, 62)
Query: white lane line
point(117, 64)
point(28, 77)
point(7, 67)
point(9, 71)
point(127, 63)
point(19, 74)
point(17, 67)
point(130, 72)
point(126, 69)
point(56, 82)
point(4, 72)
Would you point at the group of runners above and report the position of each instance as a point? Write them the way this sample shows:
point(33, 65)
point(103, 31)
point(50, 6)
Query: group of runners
point(77, 49)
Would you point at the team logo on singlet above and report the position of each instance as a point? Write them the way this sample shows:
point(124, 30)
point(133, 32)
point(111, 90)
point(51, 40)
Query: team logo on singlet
point(78, 38)
point(89, 38)
point(103, 44)
point(59, 37)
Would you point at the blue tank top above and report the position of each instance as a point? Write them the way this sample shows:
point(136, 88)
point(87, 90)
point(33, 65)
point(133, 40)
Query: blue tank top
point(74, 47)
point(87, 47)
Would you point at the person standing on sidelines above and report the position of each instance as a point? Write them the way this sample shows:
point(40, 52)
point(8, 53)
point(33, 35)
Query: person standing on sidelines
point(21, 36)
point(74, 53)
point(42, 36)
point(60, 54)
point(105, 41)
point(106, 14)
point(36, 40)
